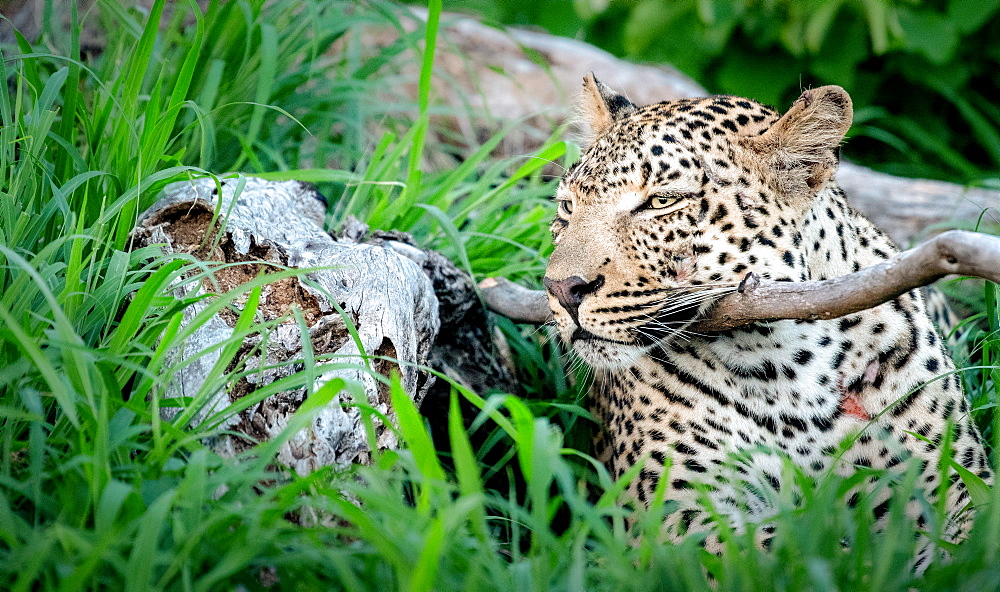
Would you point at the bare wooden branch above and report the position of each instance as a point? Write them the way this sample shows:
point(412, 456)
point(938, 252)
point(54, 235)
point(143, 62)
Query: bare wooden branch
point(953, 252)
point(520, 304)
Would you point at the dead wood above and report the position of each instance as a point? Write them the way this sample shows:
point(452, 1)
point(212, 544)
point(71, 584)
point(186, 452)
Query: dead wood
point(397, 296)
point(910, 210)
point(953, 252)
point(514, 301)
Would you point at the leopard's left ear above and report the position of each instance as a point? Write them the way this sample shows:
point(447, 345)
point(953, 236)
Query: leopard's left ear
point(600, 106)
point(801, 148)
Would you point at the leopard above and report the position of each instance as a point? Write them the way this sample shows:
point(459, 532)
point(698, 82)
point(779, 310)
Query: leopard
point(667, 210)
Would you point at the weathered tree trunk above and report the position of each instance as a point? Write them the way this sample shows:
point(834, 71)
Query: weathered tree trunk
point(910, 210)
point(386, 295)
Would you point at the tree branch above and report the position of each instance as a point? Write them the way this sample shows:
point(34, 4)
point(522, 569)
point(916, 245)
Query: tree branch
point(519, 304)
point(953, 252)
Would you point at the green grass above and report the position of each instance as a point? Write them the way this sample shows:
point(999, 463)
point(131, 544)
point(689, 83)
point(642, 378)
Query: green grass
point(98, 491)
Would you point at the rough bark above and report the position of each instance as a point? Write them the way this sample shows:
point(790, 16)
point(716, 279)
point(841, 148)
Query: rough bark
point(910, 210)
point(756, 300)
point(390, 299)
point(466, 350)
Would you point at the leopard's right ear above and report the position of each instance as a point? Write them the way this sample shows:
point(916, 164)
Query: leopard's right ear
point(600, 106)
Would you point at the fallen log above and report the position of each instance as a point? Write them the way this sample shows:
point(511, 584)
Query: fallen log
point(409, 308)
point(756, 300)
point(910, 210)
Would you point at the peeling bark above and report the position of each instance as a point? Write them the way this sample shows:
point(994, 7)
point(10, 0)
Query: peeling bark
point(389, 290)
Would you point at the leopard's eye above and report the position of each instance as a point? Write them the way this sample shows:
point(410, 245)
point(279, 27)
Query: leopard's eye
point(566, 206)
point(659, 202)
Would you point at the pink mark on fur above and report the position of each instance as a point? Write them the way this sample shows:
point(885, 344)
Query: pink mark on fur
point(850, 403)
point(685, 269)
point(871, 372)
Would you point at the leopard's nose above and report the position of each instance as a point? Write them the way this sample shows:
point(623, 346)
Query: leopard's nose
point(569, 292)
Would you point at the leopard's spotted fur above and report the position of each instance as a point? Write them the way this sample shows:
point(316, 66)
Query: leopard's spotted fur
point(669, 207)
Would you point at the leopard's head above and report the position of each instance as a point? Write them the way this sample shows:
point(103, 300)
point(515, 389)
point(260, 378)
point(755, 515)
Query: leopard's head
point(672, 204)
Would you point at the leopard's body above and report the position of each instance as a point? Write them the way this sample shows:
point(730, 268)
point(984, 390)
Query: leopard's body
point(669, 208)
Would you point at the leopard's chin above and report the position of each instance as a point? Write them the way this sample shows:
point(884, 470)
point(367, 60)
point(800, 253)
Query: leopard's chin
point(605, 354)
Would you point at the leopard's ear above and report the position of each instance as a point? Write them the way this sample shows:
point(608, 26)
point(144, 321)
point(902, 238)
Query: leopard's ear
point(801, 149)
point(600, 106)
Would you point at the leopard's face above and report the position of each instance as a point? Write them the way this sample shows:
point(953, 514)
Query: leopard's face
point(667, 211)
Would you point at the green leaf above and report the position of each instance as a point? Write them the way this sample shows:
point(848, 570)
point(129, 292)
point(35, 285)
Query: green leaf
point(309, 176)
point(413, 431)
point(969, 15)
point(674, 32)
point(426, 569)
point(29, 68)
point(983, 129)
point(979, 490)
point(739, 74)
point(818, 26)
point(414, 172)
point(878, 24)
point(453, 235)
point(141, 306)
point(265, 81)
point(142, 560)
point(929, 33)
point(837, 61)
point(51, 91)
point(466, 467)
